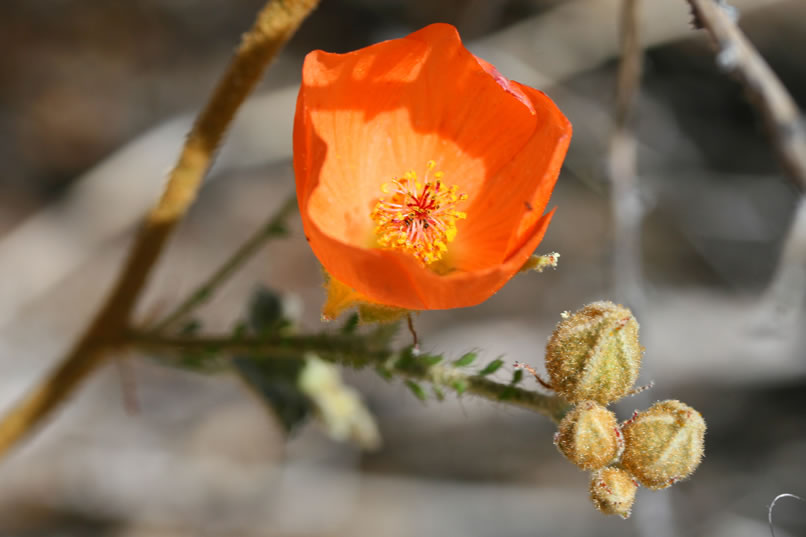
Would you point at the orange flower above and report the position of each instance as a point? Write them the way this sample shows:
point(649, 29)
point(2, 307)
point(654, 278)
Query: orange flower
point(422, 173)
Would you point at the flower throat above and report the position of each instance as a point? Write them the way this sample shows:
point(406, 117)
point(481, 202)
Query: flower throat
point(419, 219)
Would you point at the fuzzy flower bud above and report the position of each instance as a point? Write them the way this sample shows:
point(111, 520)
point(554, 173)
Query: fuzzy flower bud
point(663, 444)
point(594, 354)
point(589, 436)
point(613, 491)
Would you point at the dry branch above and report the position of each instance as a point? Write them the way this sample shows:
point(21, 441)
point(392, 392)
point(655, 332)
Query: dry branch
point(275, 24)
point(737, 56)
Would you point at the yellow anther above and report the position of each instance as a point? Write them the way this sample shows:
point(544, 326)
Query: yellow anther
point(418, 218)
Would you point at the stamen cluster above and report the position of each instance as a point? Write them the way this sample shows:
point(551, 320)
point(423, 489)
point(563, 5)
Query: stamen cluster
point(418, 218)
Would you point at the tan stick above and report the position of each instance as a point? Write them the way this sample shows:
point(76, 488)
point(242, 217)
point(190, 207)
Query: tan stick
point(783, 298)
point(275, 24)
point(737, 56)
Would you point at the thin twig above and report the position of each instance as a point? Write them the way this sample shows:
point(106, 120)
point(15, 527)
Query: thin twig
point(351, 350)
point(736, 55)
point(273, 227)
point(274, 26)
point(629, 74)
point(627, 206)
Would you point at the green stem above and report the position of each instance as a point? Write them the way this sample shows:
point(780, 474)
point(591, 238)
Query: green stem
point(274, 227)
point(356, 351)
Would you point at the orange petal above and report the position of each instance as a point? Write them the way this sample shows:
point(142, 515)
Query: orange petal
point(390, 108)
point(515, 198)
point(368, 116)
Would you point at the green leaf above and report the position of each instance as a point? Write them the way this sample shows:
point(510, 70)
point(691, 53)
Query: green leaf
point(460, 386)
point(492, 367)
point(438, 393)
point(265, 311)
point(430, 359)
point(383, 372)
point(407, 361)
point(517, 376)
point(465, 360)
point(350, 325)
point(416, 389)
point(275, 381)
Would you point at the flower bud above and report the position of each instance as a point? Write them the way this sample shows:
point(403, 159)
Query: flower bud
point(589, 436)
point(594, 354)
point(663, 444)
point(613, 491)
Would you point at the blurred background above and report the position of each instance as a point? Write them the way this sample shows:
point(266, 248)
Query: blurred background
point(95, 100)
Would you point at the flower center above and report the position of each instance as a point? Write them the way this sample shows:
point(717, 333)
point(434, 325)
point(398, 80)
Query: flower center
point(418, 218)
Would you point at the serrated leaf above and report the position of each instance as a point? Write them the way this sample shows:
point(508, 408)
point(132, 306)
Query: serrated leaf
point(416, 389)
point(517, 376)
point(431, 359)
point(465, 360)
point(492, 367)
point(459, 386)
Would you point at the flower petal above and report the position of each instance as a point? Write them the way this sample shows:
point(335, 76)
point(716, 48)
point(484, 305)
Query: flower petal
point(366, 117)
point(392, 107)
point(515, 199)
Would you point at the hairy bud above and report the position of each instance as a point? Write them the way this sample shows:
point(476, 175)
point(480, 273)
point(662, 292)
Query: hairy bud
point(594, 354)
point(613, 491)
point(589, 436)
point(663, 444)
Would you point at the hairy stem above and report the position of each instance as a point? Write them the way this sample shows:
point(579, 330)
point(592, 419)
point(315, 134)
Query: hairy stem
point(354, 350)
point(274, 26)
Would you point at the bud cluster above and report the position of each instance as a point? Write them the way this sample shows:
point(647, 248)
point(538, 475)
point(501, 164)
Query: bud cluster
point(593, 358)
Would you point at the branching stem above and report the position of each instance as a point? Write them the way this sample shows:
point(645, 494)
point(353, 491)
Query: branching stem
point(737, 56)
point(275, 24)
point(354, 350)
